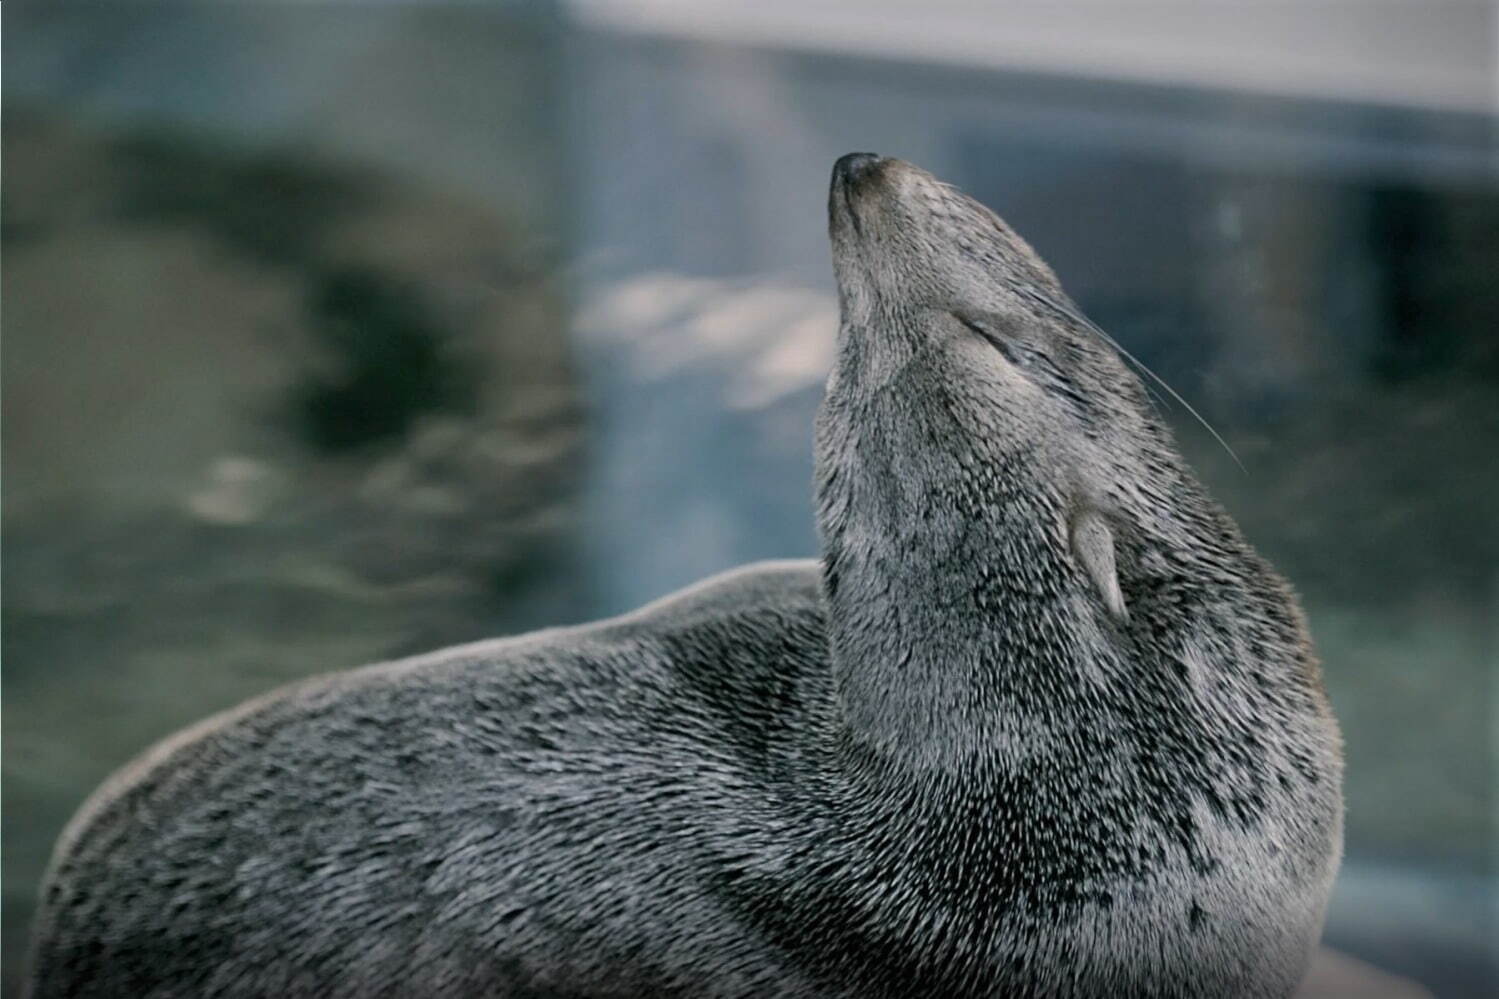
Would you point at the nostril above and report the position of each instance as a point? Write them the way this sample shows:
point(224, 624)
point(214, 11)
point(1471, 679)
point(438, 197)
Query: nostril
point(854, 167)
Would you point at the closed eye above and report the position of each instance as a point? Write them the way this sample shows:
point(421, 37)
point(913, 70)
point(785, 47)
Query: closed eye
point(1015, 356)
point(1036, 365)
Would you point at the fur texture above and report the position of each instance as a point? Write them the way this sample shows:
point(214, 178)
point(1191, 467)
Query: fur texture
point(1040, 723)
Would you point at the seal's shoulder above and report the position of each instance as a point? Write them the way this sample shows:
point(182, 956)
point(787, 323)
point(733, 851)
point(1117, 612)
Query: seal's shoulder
point(789, 586)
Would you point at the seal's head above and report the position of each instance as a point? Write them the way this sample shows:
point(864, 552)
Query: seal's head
point(990, 472)
point(934, 286)
point(969, 387)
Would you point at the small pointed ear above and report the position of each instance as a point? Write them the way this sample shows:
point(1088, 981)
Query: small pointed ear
point(1093, 547)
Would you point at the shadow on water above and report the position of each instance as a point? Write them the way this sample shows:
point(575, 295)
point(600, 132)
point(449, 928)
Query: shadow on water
point(387, 364)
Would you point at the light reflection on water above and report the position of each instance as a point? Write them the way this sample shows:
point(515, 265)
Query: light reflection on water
point(703, 394)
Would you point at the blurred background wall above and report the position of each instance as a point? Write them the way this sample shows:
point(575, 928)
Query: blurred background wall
point(340, 331)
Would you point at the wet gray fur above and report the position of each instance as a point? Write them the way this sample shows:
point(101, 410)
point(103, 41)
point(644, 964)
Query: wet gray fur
point(1039, 724)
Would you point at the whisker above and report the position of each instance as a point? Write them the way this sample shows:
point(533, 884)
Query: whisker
point(1076, 316)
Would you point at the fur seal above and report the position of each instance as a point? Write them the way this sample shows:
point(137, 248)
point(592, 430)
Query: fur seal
point(1039, 723)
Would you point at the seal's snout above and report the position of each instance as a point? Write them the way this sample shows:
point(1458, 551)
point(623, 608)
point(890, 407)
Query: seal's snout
point(855, 175)
point(854, 169)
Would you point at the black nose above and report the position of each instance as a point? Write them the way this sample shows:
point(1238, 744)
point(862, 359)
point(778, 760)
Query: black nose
point(854, 167)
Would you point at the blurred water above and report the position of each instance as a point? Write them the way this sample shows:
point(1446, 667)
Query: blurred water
point(336, 333)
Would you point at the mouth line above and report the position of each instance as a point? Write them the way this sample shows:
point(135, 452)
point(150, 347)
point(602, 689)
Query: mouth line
point(843, 201)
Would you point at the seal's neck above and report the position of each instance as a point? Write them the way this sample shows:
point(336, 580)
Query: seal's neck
point(952, 607)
